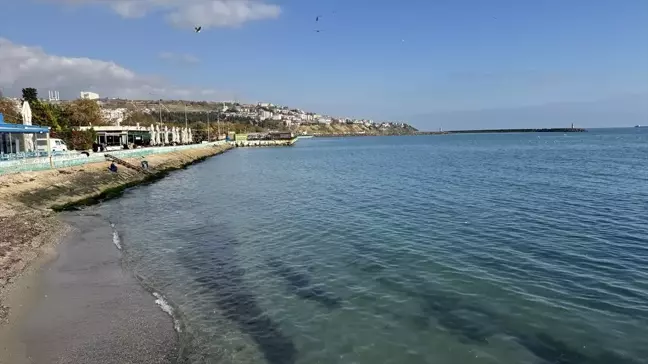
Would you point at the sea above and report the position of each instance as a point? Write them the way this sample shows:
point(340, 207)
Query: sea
point(445, 249)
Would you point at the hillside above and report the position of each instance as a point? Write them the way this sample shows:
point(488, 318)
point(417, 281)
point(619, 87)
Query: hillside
point(167, 105)
point(247, 117)
point(353, 129)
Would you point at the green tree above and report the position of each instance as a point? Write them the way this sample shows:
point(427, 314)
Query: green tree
point(199, 130)
point(46, 114)
point(30, 94)
point(10, 110)
point(77, 139)
point(135, 117)
point(82, 112)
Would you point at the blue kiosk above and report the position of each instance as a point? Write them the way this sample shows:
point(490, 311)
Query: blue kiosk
point(12, 136)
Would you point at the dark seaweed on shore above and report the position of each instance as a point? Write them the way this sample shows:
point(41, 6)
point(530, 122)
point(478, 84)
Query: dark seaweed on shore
point(216, 269)
point(301, 285)
point(118, 191)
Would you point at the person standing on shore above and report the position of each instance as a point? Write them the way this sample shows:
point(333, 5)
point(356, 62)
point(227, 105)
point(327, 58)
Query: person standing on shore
point(144, 163)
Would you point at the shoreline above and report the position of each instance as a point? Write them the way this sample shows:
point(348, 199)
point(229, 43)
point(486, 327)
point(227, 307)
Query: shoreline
point(39, 238)
point(478, 131)
point(90, 308)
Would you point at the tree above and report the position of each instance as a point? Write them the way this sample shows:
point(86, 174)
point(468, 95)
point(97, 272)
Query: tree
point(199, 131)
point(30, 95)
point(135, 117)
point(82, 112)
point(46, 114)
point(10, 110)
point(77, 139)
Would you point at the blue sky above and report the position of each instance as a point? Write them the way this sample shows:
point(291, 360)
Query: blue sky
point(429, 61)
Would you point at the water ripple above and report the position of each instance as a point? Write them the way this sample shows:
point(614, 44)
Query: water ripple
point(453, 249)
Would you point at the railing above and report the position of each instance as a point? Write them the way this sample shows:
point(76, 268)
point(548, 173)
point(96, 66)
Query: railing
point(41, 162)
point(23, 155)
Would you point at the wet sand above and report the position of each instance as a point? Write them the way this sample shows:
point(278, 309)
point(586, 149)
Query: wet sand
point(91, 309)
point(75, 303)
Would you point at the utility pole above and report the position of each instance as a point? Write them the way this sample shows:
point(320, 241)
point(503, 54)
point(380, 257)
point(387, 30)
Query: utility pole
point(208, 136)
point(186, 127)
point(160, 107)
point(218, 122)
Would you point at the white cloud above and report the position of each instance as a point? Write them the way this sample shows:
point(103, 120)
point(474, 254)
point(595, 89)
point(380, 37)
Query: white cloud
point(179, 58)
point(221, 13)
point(28, 66)
point(191, 13)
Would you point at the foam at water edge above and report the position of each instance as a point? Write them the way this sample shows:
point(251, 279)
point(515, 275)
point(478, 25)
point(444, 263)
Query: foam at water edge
point(116, 239)
point(166, 307)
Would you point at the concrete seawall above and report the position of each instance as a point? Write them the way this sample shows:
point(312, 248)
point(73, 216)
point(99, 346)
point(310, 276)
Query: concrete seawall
point(71, 159)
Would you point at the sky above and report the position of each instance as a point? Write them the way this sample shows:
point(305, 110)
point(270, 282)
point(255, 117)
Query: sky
point(451, 64)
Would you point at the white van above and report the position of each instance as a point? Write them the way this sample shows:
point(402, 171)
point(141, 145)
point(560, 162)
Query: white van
point(57, 145)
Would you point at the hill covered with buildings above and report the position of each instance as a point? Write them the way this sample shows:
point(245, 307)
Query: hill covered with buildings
point(251, 117)
point(206, 118)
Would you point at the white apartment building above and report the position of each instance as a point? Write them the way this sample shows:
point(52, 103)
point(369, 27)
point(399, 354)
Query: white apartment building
point(264, 115)
point(89, 95)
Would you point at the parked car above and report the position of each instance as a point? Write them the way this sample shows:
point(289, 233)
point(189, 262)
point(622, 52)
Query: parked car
point(56, 145)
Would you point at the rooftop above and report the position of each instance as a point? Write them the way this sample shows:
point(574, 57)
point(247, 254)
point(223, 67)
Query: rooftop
point(20, 128)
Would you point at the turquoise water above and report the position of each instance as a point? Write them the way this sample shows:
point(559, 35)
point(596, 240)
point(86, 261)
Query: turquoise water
point(502, 248)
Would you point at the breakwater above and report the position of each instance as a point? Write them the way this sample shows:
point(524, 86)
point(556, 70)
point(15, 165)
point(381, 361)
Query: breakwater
point(543, 130)
point(353, 135)
point(475, 131)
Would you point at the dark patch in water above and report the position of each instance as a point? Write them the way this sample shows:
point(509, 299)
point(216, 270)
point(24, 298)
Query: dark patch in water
point(372, 268)
point(217, 270)
point(552, 351)
point(474, 324)
point(457, 318)
point(448, 312)
point(301, 285)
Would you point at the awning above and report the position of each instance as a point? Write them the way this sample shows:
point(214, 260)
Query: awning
point(21, 129)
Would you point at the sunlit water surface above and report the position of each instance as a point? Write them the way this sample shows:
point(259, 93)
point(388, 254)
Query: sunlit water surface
point(507, 248)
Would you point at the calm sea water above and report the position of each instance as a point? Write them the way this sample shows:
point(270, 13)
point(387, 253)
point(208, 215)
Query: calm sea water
point(509, 248)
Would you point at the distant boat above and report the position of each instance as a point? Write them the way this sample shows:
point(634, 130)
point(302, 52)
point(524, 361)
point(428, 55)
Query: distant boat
point(304, 136)
point(637, 126)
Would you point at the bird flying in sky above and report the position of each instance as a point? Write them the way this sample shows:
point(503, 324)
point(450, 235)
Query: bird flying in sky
point(198, 29)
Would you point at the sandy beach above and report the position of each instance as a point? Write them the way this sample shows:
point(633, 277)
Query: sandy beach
point(73, 302)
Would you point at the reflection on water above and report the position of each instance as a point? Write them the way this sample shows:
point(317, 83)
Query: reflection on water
point(450, 249)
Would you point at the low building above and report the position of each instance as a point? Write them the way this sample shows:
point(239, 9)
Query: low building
point(281, 136)
point(117, 136)
point(89, 95)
